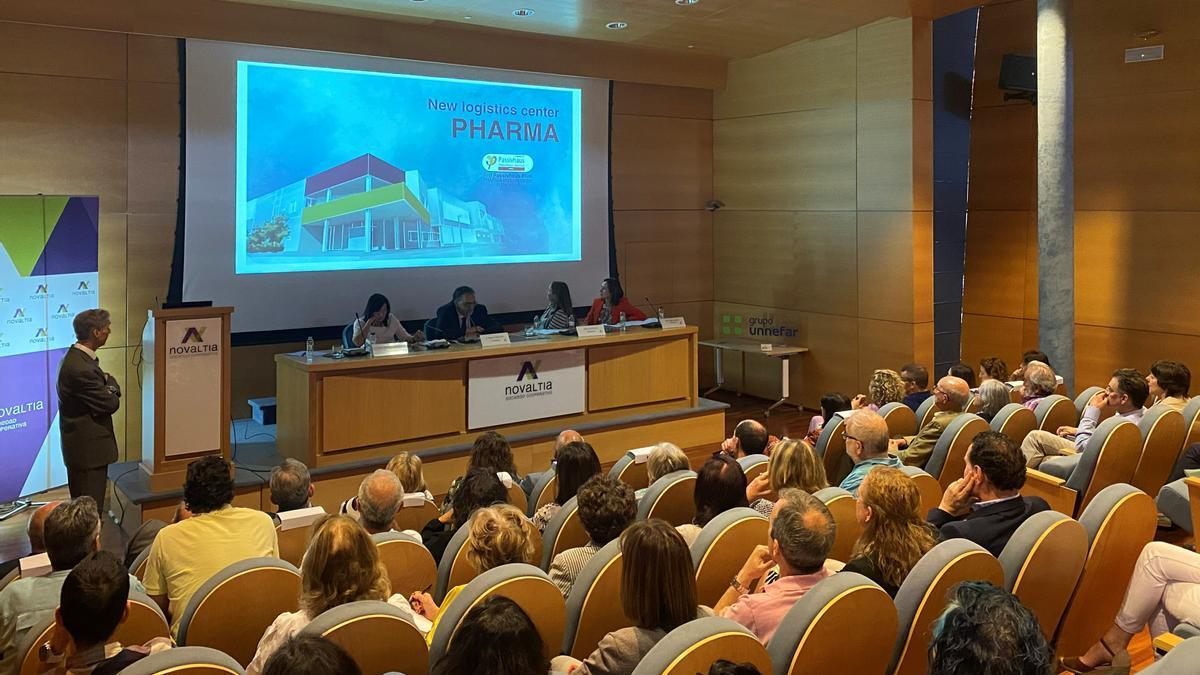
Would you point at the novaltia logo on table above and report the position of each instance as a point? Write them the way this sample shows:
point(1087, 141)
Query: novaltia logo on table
point(529, 369)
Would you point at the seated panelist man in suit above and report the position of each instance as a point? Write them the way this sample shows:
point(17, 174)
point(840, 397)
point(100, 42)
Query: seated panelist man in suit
point(87, 399)
point(986, 505)
point(463, 317)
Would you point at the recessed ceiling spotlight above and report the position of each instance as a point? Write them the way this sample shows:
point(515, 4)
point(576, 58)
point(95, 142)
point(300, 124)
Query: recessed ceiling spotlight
point(467, 18)
point(691, 46)
point(686, 3)
point(616, 25)
point(523, 12)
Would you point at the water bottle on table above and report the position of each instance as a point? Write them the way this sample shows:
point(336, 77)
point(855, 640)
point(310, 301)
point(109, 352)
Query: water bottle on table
point(623, 322)
point(308, 350)
point(571, 322)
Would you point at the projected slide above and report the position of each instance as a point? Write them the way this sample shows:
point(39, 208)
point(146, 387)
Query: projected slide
point(346, 169)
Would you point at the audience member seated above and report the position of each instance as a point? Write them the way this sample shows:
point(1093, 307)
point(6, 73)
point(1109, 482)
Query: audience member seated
point(606, 508)
point(1163, 592)
point(993, 395)
point(478, 489)
point(866, 436)
point(916, 384)
point(963, 372)
point(950, 399)
point(831, 403)
point(886, 386)
point(495, 637)
point(35, 529)
point(986, 505)
point(658, 594)
point(500, 535)
point(185, 554)
point(802, 534)
point(723, 667)
point(894, 535)
point(1038, 382)
point(490, 451)
point(611, 304)
point(665, 458)
point(1027, 358)
point(793, 464)
point(380, 496)
point(1126, 393)
point(71, 531)
point(94, 601)
point(986, 630)
point(291, 486)
point(1169, 382)
point(407, 467)
point(310, 655)
point(720, 486)
point(749, 437)
point(992, 368)
point(564, 437)
point(577, 462)
point(341, 565)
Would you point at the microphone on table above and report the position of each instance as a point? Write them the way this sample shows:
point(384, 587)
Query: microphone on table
point(655, 312)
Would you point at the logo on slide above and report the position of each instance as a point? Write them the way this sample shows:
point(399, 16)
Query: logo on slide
point(41, 333)
point(83, 286)
point(42, 289)
point(63, 312)
point(193, 334)
point(19, 314)
point(530, 368)
point(508, 163)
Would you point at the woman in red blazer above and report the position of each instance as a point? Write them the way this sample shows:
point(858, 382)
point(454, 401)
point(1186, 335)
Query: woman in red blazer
point(612, 302)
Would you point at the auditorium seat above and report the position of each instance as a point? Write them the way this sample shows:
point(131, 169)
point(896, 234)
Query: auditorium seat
point(415, 517)
point(974, 404)
point(543, 493)
point(922, 597)
point(409, 564)
point(219, 615)
point(824, 631)
point(1015, 421)
point(1069, 482)
point(754, 465)
point(517, 497)
point(348, 336)
point(564, 531)
point(1082, 399)
point(901, 419)
point(722, 547)
point(1163, 432)
point(454, 569)
point(630, 472)
point(144, 622)
point(593, 608)
point(1180, 502)
point(831, 449)
point(1181, 660)
point(671, 498)
point(925, 412)
point(841, 504)
point(379, 637)
point(525, 585)
point(1055, 411)
point(696, 645)
point(949, 455)
point(1191, 422)
point(1042, 562)
point(138, 567)
point(293, 543)
point(1119, 522)
point(186, 661)
point(930, 489)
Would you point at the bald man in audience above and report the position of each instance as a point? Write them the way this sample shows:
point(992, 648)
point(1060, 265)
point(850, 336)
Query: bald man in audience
point(866, 435)
point(531, 479)
point(749, 438)
point(802, 533)
point(950, 399)
point(380, 496)
point(36, 528)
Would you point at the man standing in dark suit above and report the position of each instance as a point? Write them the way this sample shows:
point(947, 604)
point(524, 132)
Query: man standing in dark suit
point(463, 317)
point(87, 399)
point(986, 505)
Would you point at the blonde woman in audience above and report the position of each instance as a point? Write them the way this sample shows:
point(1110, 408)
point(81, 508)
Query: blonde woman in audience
point(342, 565)
point(895, 534)
point(577, 462)
point(793, 464)
point(407, 467)
point(658, 594)
point(994, 396)
point(885, 387)
point(499, 535)
point(665, 458)
point(1169, 383)
point(1163, 592)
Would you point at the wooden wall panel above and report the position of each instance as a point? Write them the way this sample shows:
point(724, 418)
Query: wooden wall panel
point(895, 265)
point(1109, 27)
point(884, 55)
point(1003, 170)
point(41, 50)
point(1099, 350)
point(885, 155)
point(802, 76)
point(153, 147)
point(997, 243)
point(631, 98)
point(891, 344)
point(687, 264)
point(114, 361)
point(666, 162)
point(153, 59)
point(112, 262)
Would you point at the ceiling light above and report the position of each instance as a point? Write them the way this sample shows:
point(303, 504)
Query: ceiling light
point(691, 46)
point(523, 12)
point(616, 25)
point(467, 18)
point(686, 3)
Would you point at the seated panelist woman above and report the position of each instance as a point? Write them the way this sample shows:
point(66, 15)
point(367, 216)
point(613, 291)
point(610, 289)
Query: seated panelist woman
point(558, 313)
point(611, 304)
point(378, 323)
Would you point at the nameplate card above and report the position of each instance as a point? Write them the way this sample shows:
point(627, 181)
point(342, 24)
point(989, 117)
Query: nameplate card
point(505, 478)
point(767, 347)
point(413, 500)
point(674, 322)
point(844, 414)
point(35, 566)
point(640, 455)
point(494, 340)
point(291, 520)
point(389, 349)
point(590, 331)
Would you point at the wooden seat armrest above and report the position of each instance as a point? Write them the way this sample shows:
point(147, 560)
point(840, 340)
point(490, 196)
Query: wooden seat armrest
point(1051, 488)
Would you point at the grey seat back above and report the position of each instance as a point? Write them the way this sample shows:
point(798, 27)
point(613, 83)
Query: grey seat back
point(660, 487)
point(940, 459)
point(721, 548)
point(1082, 399)
point(1181, 660)
point(457, 542)
point(227, 573)
point(378, 636)
point(739, 646)
point(583, 597)
point(628, 471)
point(901, 419)
point(1174, 502)
point(925, 412)
point(1042, 562)
point(539, 487)
point(1049, 406)
point(831, 448)
point(554, 529)
point(1081, 476)
point(185, 658)
point(749, 462)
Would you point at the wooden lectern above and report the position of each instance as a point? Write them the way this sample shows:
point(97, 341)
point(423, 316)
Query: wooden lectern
point(185, 390)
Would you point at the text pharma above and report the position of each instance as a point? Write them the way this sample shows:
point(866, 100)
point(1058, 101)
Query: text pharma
point(510, 130)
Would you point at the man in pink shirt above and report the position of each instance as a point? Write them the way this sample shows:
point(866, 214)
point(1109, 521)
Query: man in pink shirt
point(802, 533)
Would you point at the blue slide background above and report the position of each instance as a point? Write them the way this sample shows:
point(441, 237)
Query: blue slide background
point(297, 121)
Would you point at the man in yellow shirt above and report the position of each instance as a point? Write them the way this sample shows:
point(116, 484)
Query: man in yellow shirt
point(185, 554)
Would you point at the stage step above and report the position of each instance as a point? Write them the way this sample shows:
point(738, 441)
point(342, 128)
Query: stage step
point(263, 410)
